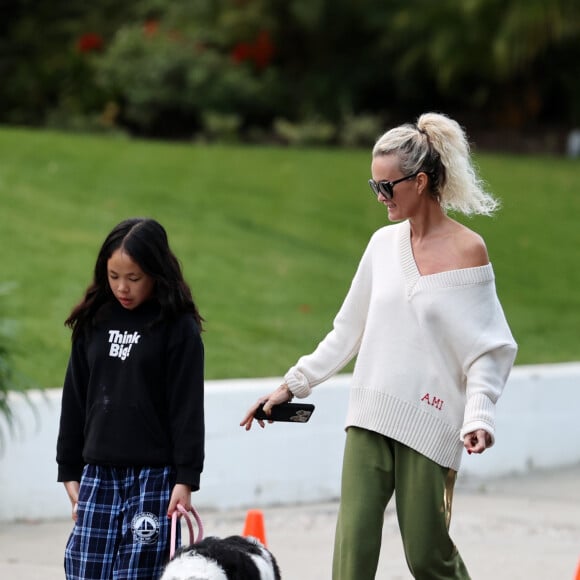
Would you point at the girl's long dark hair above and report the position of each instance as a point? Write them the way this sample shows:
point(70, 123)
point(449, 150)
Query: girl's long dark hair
point(145, 240)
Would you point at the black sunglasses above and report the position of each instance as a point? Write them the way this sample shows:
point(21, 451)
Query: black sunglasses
point(386, 187)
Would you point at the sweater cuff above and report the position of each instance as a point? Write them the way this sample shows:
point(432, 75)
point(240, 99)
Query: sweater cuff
point(479, 414)
point(188, 476)
point(297, 383)
point(69, 472)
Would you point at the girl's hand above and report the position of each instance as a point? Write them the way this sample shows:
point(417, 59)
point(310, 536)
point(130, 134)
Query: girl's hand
point(477, 441)
point(72, 490)
point(281, 395)
point(181, 494)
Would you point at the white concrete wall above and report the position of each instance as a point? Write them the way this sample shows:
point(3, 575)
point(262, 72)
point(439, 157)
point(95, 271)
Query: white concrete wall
point(537, 427)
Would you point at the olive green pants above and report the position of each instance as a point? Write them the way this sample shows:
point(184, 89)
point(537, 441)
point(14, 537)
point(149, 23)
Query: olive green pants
point(374, 467)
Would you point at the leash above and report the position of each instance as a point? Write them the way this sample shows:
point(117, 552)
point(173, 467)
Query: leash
point(189, 516)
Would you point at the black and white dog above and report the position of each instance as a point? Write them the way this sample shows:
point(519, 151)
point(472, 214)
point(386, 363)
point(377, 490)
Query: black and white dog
point(231, 558)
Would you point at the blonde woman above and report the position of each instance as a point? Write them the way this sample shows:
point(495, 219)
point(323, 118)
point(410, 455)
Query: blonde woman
point(433, 352)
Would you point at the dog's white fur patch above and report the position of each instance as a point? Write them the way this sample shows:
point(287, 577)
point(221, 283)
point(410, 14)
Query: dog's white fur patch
point(264, 561)
point(264, 565)
point(193, 567)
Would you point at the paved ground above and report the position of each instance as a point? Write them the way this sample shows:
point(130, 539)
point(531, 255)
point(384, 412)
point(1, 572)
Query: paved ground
point(518, 528)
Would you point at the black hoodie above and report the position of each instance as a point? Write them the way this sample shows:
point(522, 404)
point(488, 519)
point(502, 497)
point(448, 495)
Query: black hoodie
point(134, 396)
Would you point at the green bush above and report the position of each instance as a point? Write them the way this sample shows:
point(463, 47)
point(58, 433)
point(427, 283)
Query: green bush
point(309, 132)
point(6, 366)
point(171, 83)
point(361, 130)
point(222, 127)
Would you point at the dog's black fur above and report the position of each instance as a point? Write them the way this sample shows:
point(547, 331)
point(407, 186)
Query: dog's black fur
point(239, 558)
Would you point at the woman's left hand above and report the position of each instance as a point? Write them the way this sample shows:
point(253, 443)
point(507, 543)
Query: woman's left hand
point(477, 441)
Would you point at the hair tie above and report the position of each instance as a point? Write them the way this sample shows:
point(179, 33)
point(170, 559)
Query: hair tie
point(422, 131)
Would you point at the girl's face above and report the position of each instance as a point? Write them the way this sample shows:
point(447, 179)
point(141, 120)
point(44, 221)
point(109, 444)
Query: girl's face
point(130, 285)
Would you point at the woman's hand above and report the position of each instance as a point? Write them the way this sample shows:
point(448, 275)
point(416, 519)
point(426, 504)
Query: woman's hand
point(281, 395)
point(477, 441)
point(72, 490)
point(181, 494)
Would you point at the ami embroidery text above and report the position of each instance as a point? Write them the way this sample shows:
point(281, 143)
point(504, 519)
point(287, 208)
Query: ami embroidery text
point(433, 401)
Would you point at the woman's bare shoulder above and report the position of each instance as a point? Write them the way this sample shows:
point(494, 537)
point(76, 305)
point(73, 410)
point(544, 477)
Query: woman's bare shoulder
point(472, 248)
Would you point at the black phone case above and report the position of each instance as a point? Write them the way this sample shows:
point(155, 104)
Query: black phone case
point(287, 412)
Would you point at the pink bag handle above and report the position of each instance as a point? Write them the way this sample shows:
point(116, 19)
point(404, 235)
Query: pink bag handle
point(189, 517)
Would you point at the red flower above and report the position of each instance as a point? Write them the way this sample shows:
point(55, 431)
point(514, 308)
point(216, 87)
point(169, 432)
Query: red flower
point(150, 27)
point(90, 42)
point(242, 51)
point(261, 51)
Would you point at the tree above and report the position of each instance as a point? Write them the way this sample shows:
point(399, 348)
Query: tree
point(170, 66)
point(507, 59)
point(41, 49)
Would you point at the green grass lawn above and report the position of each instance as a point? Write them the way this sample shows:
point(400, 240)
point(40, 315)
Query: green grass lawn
point(269, 239)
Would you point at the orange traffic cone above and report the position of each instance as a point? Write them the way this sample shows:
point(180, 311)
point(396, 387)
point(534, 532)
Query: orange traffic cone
point(577, 577)
point(254, 526)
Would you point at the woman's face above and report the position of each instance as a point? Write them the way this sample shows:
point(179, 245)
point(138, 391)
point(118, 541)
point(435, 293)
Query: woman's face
point(405, 200)
point(129, 284)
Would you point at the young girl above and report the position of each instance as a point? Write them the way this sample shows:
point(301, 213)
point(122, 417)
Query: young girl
point(131, 439)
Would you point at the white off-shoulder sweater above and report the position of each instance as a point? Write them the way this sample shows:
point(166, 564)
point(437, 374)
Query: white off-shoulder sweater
point(433, 352)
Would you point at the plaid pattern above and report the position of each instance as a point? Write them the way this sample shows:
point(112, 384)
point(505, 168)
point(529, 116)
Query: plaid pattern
point(122, 530)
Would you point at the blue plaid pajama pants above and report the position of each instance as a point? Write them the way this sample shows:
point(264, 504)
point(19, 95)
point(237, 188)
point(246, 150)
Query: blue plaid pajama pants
point(122, 530)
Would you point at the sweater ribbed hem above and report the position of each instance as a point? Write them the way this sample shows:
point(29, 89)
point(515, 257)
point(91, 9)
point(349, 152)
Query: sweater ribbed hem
point(419, 430)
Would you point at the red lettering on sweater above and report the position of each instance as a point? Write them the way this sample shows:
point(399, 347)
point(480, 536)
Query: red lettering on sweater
point(433, 401)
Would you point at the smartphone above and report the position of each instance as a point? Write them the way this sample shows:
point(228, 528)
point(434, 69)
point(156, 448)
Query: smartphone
point(288, 412)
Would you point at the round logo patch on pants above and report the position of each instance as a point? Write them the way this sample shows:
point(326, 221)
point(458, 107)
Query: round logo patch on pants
point(145, 527)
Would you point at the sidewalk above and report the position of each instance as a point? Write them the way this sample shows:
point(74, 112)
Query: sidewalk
point(518, 528)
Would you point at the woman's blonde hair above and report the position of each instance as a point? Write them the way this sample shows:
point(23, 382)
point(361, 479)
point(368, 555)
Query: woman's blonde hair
point(438, 146)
